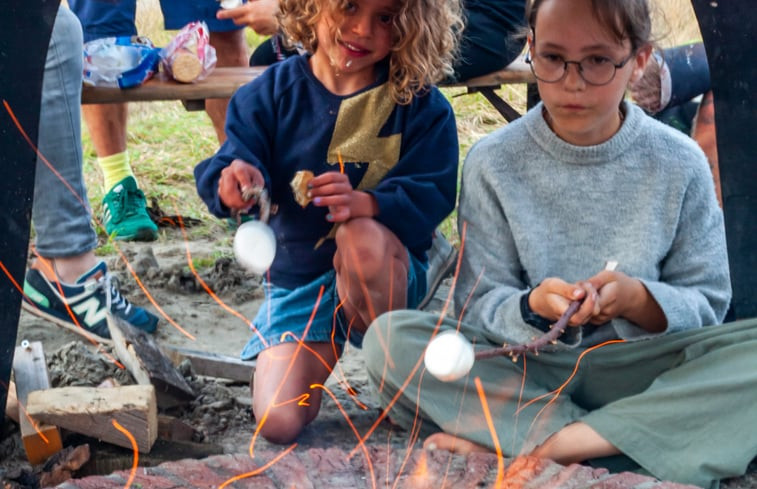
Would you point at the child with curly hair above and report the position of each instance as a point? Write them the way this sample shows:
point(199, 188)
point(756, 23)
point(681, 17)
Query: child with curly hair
point(360, 112)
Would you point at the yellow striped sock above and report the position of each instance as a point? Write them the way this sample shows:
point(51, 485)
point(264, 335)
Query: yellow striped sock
point(115, 168)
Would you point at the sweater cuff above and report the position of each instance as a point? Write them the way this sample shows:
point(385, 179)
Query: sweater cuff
point(530, 317)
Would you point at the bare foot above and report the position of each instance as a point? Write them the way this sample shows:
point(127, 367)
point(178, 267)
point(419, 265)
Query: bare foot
point(451, 443)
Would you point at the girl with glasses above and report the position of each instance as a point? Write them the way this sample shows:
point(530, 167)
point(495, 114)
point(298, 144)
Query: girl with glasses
point(643, 370)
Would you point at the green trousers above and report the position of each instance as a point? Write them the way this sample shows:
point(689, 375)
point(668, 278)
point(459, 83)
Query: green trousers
point(682, 406)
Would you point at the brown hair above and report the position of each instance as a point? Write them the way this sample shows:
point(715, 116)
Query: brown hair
point(426, 36)
point(624, 19)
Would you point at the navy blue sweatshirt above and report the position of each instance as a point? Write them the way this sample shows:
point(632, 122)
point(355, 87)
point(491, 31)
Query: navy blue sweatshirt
point(285, 120)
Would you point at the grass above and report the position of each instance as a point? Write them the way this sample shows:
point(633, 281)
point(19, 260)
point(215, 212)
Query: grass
point(165, 142)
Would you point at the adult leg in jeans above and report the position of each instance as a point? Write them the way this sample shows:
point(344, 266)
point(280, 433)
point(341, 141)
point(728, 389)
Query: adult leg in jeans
point(67, 283)
point(61, 213)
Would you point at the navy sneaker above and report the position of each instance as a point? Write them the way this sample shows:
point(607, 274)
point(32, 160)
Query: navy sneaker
point(89, 300)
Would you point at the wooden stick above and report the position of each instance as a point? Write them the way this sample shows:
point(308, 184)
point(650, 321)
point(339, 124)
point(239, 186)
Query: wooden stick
point(557, 329)
point(551, 336)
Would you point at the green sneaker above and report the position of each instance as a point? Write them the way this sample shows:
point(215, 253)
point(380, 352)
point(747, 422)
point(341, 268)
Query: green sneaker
point(125, 213)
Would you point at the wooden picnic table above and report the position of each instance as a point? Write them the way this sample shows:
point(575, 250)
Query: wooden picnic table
point(223, 82)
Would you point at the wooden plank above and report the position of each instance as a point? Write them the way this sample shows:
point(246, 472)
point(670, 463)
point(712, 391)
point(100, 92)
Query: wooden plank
point(11, 404)
point(516, 72)
point(30, 373)
point(147, 363)
point(171, 428)
point(91, 411)
point(223, 82)
point(212, 364)
point(220, 83)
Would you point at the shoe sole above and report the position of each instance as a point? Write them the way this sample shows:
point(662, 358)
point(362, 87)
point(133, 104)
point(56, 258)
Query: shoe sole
point(36, 311)
point(142, 235)
point(445, 270)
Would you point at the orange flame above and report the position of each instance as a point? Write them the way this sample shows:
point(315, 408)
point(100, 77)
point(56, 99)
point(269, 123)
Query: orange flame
point(133, 471)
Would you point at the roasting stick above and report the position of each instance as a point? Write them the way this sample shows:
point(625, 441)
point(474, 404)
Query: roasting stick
point(550, 337)
point(450, 356)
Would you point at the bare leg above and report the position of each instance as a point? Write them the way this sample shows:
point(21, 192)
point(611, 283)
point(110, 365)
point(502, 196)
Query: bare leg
point(107, 127)
point(282, 399)
point(572, 444)
point(575, 443)
point(65, 269)
point(371, 265)
point(451, 443)
point(231, 50)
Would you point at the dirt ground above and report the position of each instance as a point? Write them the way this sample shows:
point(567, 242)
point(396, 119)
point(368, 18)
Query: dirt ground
point(220, 414)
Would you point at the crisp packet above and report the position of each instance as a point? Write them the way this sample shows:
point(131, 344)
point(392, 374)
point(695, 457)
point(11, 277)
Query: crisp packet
point(189, 56)
point(123, 62)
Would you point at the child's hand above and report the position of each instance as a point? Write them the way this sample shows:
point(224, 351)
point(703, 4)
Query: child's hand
point(333, 190)
point(615, 295)
point(237, 178)
point(552, 297)
point(626, 297)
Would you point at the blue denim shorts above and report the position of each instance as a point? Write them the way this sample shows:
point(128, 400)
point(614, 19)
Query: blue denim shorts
point(106, 18)
point(285, 313)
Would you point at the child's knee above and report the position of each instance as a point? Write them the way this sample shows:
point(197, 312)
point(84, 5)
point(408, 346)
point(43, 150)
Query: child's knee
point(359, 241)
point(282, 424)
point(367, 244)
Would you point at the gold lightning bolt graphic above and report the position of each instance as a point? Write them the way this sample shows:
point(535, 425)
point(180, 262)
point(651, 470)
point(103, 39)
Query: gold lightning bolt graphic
point(356, 138)
point(356, 135)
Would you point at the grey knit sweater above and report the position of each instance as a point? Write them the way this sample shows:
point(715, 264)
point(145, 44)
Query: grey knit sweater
point(535, 206)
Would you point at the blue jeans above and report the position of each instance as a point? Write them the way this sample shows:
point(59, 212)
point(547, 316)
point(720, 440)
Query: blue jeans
point(61, 214)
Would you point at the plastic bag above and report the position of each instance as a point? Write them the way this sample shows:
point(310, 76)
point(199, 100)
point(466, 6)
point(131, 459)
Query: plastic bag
point(189, 56)
point(121, 62)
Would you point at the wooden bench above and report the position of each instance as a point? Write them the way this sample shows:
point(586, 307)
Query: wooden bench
point(223, 82)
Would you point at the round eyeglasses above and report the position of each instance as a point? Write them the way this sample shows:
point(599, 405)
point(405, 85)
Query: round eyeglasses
point(594, 70)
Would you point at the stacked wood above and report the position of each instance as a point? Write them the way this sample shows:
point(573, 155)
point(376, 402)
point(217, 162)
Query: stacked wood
point(141, 355)
point(30, 372)
point(91, 411)
point(212, 364)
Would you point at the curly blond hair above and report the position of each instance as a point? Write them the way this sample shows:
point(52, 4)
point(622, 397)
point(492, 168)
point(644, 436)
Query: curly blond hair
point(425, 40)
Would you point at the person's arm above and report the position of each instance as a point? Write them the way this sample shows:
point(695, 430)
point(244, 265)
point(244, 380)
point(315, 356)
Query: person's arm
point(419, 192)
point(492, 284)
point(622, 296)
point(693, 287)
point(258, 15)
point(248, 119)
point(672, 77)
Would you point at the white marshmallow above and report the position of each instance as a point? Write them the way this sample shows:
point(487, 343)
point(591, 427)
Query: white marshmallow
point(230, 3)
point(449, 356)
point(255, 246)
